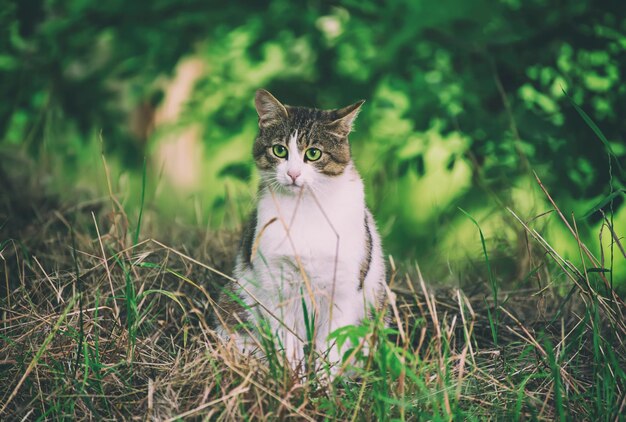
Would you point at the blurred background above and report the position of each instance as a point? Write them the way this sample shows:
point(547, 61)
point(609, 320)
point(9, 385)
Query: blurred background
point(466, 100)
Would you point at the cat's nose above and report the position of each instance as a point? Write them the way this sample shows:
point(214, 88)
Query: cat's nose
point(294, 174)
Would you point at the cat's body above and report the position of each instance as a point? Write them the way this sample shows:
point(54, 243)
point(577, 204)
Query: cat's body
point(311, 243)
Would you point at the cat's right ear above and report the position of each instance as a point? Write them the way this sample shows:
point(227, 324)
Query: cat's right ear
point(269, 109)
point(342, 125)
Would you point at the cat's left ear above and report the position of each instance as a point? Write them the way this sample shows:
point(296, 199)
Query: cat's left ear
point(344, 118)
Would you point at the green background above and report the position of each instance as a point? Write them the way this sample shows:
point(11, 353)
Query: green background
point(466, 100)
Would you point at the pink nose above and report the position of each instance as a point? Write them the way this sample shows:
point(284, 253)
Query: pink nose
point(294, 174)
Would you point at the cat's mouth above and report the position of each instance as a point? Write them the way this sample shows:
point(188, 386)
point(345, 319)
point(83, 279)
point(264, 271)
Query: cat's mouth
point(294, 188)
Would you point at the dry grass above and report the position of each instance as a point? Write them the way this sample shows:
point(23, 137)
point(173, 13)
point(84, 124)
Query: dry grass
point(93, 326)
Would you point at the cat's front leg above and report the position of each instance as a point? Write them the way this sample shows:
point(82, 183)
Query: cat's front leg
point(345, 313)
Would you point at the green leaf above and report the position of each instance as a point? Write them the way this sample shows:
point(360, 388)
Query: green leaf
point(239, 171)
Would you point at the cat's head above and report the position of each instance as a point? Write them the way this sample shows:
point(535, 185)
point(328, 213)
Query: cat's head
point(299, 146)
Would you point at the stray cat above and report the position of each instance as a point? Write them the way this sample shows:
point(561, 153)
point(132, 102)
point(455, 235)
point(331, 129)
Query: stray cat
point(311, 246)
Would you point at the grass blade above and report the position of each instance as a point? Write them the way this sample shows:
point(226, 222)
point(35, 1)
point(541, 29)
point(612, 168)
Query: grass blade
point(595, 129)
point(603, 202)
point(143, 197)
point(493, 321)
point(39, 353)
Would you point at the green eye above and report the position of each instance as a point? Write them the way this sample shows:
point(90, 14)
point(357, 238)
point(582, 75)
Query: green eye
point(313, 154)
point(279, 151)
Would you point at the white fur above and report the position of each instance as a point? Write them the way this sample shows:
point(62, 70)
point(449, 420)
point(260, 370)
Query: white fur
point(311, 239)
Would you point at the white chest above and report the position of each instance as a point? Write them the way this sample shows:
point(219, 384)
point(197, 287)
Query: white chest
point(325, 234)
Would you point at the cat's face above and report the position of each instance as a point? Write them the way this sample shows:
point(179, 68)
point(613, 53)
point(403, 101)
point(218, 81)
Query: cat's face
point(301, 147)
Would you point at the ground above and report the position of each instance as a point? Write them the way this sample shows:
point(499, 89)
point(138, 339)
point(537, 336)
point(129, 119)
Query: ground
point(100, 320)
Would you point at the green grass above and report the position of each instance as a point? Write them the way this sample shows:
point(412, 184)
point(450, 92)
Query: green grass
point(493, 319)
point(100, 320)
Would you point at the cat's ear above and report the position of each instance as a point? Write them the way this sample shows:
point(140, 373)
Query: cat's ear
point(269, 109)
point(344, 118)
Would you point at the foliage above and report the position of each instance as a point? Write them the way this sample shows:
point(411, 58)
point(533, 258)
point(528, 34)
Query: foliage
point(74, 63)
point(465, 98)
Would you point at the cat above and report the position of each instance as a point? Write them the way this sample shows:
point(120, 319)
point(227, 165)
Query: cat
point(311, 246)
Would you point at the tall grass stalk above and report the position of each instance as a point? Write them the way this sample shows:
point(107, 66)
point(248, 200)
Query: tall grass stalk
point(493, 318)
